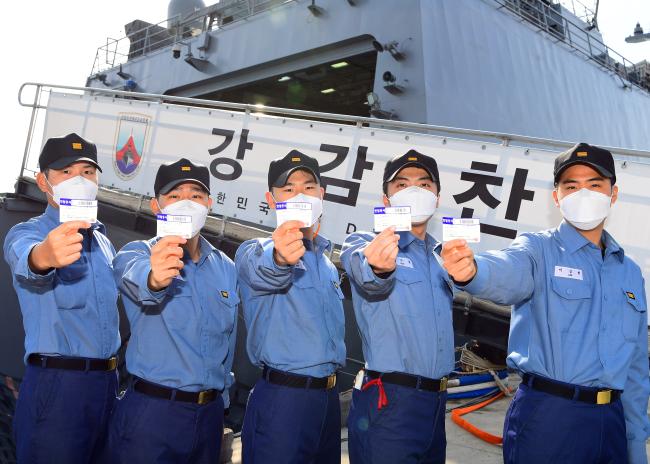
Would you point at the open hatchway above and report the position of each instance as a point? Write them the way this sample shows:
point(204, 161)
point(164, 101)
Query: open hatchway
point(339, 87)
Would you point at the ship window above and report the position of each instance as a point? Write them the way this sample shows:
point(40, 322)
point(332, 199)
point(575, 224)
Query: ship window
point(338, 86)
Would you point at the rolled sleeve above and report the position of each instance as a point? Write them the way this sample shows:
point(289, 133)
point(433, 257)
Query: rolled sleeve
point(268, 261)
point(19, 243)
point(25, 274)
point(257, 268)
point(358, 269)
point(131, 269)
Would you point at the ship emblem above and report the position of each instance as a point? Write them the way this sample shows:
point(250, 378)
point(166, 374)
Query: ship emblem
point(132, 131)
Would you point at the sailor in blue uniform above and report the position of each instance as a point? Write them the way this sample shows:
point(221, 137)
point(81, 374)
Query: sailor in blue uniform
point(62, 274)
point(294, 314)
point(402, 300)
point(578, 332)
point(180, 296)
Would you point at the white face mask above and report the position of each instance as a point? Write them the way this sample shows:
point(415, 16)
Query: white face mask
point(585, 209)
point(188, 208)
point(75, 188)
point(422, 202)
point(316, 205)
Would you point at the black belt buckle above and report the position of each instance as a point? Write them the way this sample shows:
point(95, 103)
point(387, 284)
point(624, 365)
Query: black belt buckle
point(443, 384)
point(112, 363)
point(604, 397)
point(205, 397)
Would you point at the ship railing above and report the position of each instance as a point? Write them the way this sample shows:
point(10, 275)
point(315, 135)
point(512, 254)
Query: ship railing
point(143, 38)
point(548, 17)
point(223, 225)
point(42, 90)
point(583, 12)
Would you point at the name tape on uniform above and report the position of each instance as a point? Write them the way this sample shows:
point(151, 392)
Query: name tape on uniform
point(173, 224)
point(404, 262)
point(293, 211)
point(392, 216)
point(77, 210)
point(568, 272)
point(465, 228)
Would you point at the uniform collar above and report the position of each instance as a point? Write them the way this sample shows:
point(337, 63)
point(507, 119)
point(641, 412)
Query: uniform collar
point(612, 246)
point(405, 239)
point(319, 244)
point(574, 240)
point(205, 250)
point(52, 217)
point(52, 214)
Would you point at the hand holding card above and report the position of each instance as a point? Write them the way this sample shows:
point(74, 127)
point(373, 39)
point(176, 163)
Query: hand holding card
point(458, 260)
point(166, 262)
point(381, 253)
point(287, 243)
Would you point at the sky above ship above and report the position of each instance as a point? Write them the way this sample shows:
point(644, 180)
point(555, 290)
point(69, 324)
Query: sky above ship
point(56, 43)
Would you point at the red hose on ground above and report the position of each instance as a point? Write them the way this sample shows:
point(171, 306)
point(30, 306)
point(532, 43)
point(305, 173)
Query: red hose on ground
point(482, 434)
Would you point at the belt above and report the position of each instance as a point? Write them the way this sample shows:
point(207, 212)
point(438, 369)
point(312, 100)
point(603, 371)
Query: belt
point(72, 364)
point(408, 380)
point(298, 381)
point(584, 394)
point(174, 394)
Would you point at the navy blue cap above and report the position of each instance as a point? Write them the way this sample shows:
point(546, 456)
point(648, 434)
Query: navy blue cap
point(598, 158)
point(171, 174)
point(411, 158)
point(281, 168)
point(61, 152)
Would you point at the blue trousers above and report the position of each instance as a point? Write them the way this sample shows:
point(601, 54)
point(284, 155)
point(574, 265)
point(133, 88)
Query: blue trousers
point(543, 428)
point(410, 429)
point(291, 425)
point(148, 430)
point(62, 415)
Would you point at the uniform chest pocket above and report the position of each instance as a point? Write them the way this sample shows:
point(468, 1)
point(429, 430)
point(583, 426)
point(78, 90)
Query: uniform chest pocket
point(301, 279)
point(70, 294)
point(178, 306)
point(565, 309)
point(633, 312)
point(408, 276)
point(225, 314)
point(571, 289)
point(411, 282)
